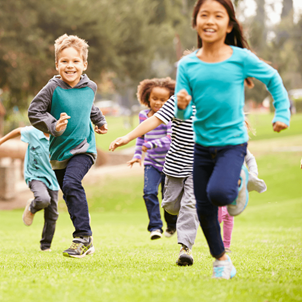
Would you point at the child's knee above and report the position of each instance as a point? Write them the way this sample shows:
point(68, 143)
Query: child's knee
point(222, 196)
point(69, 186)
point(43, 201)
point(171, 208)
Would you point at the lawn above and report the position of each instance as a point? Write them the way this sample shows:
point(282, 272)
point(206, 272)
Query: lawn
point(117, 126)
point(127, 266)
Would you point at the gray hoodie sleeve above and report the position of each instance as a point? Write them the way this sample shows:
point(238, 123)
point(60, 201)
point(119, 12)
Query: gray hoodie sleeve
point(39, 108)
point(97, 116)
point(251, 162)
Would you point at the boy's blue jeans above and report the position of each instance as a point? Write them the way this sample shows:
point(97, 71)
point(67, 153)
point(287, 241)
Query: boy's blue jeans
point(70, 181)
point(216, 173)
point(153, 178)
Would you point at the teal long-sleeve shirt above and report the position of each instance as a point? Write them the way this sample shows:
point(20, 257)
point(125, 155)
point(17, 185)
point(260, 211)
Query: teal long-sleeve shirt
point(217, 91)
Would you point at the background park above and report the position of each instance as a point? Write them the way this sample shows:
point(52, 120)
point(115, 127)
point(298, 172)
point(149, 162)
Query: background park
point(130, 41)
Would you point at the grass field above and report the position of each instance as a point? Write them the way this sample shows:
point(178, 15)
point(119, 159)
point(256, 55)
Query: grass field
point(127, 266)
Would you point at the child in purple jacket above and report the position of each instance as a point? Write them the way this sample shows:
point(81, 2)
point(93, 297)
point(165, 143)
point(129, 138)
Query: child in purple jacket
point(153, 93)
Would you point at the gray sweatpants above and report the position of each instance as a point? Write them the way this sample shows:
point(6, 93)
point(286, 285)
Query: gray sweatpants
point(179, 200)
point(48, 200)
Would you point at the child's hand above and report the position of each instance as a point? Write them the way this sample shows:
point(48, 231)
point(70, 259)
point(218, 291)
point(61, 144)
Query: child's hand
point(183, 99)
point(120, 141)
point(278, 126)
point(134, 160)
point(102, 130)
point(62, 122)
point(144, 149)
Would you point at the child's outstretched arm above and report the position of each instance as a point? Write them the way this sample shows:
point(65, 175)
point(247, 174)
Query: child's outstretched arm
point(13, 134)
point(163, 142)
point(144, 127)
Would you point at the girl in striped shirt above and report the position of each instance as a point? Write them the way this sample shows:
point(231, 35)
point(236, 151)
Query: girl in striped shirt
point(153, 93)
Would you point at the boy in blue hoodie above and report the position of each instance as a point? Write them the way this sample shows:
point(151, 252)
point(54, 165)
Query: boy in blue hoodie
point(64, 108)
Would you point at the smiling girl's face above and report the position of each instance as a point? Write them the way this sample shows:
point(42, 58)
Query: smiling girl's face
point(158, 97)
point(212, 22)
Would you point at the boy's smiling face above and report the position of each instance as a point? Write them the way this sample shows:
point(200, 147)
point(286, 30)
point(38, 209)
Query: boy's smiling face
point(70, 65)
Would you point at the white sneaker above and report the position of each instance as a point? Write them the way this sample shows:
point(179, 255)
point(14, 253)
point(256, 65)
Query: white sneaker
point(156, 234)
point(28, 216)
point(169, 232)
point(46, 250)
point(223, 269)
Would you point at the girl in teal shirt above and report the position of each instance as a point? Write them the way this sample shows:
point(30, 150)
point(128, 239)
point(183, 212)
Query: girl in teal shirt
point(212, 78)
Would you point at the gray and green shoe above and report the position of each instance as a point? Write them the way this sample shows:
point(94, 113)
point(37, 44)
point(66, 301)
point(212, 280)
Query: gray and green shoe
point(80, 247)
point(185, 256)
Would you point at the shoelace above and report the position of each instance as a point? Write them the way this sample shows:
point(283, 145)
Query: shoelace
point(74, 245)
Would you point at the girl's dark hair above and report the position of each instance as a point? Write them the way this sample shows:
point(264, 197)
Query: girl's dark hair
point(145, 87)
point(235, 37)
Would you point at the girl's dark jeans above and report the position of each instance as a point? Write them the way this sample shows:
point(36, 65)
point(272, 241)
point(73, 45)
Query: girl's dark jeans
point(216, 173)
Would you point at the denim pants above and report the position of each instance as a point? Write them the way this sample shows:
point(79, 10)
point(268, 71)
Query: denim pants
point(216, 173)
point(48, 200)
point(70, 181)
point(153, 178)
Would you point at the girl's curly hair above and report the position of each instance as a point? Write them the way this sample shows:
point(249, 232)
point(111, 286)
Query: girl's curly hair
point(145, 87)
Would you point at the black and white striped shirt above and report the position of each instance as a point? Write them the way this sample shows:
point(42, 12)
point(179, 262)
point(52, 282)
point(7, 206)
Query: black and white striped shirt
point(179, 159)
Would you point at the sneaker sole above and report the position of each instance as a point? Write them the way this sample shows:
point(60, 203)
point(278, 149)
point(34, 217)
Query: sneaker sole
point(154, 237)
point(90, 251)
point(185, 260)
point(235, 210)
point(233, 272)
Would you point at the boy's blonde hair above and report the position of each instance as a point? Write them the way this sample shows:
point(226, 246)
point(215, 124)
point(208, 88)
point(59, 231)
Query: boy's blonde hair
point(66, 41)
point(145, 87)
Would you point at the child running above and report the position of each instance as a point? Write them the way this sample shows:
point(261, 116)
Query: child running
point(153, 93)
point(254, 184)
point(212, 78)
point(64, 108)
point(41, 180)
point(178, 192)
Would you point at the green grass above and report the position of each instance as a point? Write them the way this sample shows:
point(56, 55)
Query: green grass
point(127, 266)
point(117, 126)
point(263, 125)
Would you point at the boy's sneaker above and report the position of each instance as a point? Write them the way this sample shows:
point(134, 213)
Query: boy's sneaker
point(228, 250)
point(46, 250)
point(28, 216)
point(223, 269)
point(169, 232)
point(80, 247)
point(238, 205)
point(156, 234)
point(185, 257)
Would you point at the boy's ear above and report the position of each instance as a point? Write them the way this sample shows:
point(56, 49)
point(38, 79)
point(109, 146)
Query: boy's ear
point(56, 65)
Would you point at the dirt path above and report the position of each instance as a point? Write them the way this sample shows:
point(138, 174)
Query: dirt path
point(94, 176)
point(258, 148)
